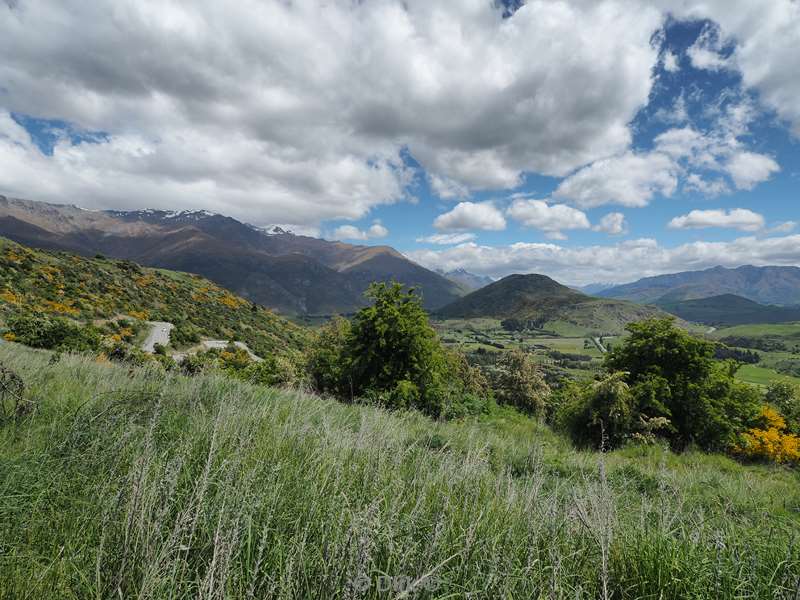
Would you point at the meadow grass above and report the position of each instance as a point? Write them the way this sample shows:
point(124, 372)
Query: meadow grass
point(789, 330)
point(759, 375)
point(129, 483)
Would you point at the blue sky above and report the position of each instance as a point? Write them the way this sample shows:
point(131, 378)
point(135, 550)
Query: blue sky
point(592, 141)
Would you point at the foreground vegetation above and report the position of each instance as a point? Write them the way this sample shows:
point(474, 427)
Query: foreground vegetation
point(136, 483)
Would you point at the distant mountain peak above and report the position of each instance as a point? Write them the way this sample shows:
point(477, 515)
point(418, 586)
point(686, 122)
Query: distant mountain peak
point(469, 281)
point(275, 230)
point(777, 285)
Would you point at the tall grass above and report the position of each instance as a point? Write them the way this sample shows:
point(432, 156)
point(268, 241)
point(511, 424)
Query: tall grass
point(133, 484)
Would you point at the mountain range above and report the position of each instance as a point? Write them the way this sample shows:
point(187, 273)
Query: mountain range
point(766, 285)
point(543, 301)
point(293, 274)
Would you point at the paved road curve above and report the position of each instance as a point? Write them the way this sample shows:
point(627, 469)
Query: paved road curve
point(219, 344)
point(159, 334)
point(222, 344)
point(599, 345)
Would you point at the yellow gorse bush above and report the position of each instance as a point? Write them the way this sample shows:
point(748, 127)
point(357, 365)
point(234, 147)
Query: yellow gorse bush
point(770, 442)
point(10, 297)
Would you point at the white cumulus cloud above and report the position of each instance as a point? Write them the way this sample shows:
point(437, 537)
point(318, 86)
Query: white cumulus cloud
point(749, 168)
point(471, 215)
point(613, 224)
point(301, 111)
point(351, 232)
point(629, 180)
point(618, 263)
point(736, 218)
point(552, 219)
point(447, 239)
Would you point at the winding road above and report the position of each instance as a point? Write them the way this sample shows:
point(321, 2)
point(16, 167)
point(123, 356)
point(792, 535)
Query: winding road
point(599, 345)
point(159, 334)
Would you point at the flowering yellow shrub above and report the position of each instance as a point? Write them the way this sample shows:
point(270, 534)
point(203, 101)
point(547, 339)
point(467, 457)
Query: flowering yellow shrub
point(138, 314)
point(10, 297)
point(59, 307)
point(49, 273)
point(771, 442)
point(14, 256)
point(9, 336)
point(231, 301)
point(144, 280)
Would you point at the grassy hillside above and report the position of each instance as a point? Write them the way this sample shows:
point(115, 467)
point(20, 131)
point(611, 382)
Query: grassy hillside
point(91, 289)
point(728, 310)
point(127, 485)
point(547, 304)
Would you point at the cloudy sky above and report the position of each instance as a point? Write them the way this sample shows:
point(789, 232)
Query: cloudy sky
point(592, 140)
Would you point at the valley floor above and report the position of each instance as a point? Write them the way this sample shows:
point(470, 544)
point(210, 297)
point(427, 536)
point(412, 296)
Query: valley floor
point(131, 483)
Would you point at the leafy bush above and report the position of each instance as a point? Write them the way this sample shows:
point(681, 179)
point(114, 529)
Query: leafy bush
point(53, 333)
point(607, 413)
point(517, 381)
point(132, 355)
point(326, 363)
point(194, 364)
point(786, 398)
point(770, 441)
point(390, 355)
point(663, 381)
point(272, 370)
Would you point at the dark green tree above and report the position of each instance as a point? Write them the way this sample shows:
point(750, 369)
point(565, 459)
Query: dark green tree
point(390, 355)
point(673, 376)
point(392, 341)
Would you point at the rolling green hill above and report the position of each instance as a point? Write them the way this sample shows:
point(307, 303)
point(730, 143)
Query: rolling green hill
point(543, 301)
point(729, 309)
point(90, 289)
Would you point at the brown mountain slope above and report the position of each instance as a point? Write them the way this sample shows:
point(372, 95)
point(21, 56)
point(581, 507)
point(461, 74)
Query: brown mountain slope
point(291, 273)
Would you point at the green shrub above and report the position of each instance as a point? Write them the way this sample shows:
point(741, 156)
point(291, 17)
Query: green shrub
point(786, 398)
point(390, 355)
point(326, 363)
point(517, 381)
point(273, 370)
point(54, 333)
point(194, 364)
point(662, 381)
